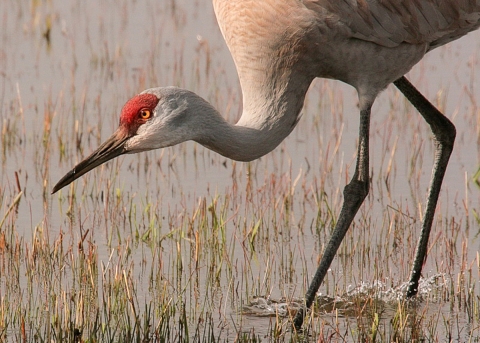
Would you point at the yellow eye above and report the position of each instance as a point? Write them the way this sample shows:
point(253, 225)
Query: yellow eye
point(145, 114)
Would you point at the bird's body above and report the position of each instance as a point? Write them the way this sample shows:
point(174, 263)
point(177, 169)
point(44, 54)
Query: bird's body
point(279, 47)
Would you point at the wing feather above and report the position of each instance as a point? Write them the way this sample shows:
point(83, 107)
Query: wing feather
point(393, 22)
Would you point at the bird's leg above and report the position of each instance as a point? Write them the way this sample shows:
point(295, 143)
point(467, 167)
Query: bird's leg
point(353, 196)
point(444, 135)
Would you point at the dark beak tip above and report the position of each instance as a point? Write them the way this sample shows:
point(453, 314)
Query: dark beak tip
point(64, 181)
point(111, 148)
point(55, 189)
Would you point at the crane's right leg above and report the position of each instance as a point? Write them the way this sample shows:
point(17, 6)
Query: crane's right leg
point(353, 196)
point(444, 137)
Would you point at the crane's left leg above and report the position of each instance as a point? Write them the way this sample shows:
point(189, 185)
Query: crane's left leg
point(353, 196)
point(444, 135)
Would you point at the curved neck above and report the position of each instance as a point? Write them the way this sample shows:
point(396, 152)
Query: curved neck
point(268, 117)
point(275, 67)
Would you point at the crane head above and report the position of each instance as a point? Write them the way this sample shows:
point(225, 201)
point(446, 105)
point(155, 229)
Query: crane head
point(137, 112)
point(156, 118)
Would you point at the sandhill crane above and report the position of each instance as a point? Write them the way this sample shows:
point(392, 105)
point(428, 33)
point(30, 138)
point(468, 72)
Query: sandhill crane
point(279, 47)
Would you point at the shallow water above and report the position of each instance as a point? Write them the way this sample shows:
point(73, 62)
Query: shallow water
point(66, 69)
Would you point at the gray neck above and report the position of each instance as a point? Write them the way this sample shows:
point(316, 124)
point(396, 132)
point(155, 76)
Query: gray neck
point(267, 119)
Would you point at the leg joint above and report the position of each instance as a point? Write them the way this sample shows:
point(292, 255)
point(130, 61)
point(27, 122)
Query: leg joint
point(356, 191)
point(444, 131)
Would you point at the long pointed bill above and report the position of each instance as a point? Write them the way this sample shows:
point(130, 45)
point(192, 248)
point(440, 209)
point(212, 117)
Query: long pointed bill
point(111, 148)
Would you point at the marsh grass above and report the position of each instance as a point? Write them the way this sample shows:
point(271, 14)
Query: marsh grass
point(182, 245)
